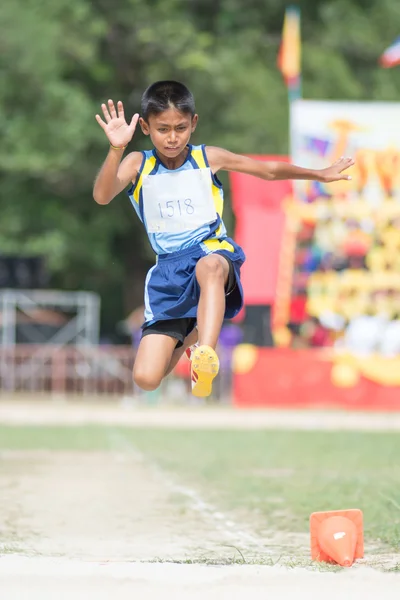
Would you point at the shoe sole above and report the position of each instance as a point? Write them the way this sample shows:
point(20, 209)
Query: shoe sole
point(205, 364)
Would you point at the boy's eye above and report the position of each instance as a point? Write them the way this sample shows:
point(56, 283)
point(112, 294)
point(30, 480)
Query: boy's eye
point(162, 129)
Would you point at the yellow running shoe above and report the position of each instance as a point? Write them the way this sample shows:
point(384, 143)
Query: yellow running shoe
point(205, 367)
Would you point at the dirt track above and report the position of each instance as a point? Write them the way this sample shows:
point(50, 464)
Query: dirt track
point(78, 520)
point(30, 580)
point(124, 412)
point(99, 506)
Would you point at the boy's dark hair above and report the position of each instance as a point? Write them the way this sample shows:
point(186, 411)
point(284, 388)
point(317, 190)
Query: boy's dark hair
point(163, 95)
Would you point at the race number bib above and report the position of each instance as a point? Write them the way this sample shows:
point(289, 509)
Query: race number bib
point(181, 201)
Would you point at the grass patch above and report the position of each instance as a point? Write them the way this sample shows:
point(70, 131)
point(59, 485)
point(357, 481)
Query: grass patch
point(10, 549)
point(276, 477)
point(260, 560)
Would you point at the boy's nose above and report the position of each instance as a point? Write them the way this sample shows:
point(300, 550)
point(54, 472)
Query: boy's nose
point(172, 137)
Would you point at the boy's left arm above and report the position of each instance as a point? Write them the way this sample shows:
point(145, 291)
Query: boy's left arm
point(220, 159)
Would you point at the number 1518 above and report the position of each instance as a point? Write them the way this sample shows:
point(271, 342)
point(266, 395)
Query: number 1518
point(176, 208)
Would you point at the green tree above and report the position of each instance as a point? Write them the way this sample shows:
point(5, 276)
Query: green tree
point(60, 60)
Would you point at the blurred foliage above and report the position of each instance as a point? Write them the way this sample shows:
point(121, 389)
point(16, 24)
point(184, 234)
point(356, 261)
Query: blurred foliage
point(60, 60)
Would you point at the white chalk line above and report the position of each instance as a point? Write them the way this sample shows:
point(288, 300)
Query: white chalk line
point(229, 529)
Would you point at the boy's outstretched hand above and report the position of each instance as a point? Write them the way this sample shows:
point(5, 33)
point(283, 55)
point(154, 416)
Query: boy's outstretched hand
point(335, 171)
point(115, 127)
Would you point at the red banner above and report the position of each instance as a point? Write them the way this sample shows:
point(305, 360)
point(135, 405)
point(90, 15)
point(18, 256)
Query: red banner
point(285, 378)
point(260, 222)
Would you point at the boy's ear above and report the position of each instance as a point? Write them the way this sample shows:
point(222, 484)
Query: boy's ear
point(144, 126)
point(195, 119)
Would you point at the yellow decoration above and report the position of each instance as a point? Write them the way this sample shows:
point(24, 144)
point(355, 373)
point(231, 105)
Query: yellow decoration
point(376, 259)
point(244, 358)
point(391, 238)
point(348, 368)
point(282, 337)
point(343, 375)
point(381, 369)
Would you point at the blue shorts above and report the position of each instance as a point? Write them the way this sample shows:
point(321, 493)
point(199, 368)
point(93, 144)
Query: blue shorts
point(172, 290)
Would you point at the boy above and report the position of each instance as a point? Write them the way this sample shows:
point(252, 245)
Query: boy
point(175, 191)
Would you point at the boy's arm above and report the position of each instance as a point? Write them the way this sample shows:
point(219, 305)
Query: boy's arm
point(115, 175)
point(220, 159)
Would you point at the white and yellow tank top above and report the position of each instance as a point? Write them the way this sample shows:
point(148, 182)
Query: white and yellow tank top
point(179, 208)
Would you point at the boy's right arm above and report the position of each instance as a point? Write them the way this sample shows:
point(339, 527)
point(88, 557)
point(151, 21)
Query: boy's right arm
point(115, 175)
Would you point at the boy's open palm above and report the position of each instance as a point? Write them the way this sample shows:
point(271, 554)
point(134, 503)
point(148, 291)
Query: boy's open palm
point(115, 127)
point(336, 171)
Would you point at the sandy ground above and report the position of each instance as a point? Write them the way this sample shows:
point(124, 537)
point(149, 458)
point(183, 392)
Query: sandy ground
point(99, 506)
point(92, 525)
point(30, 579)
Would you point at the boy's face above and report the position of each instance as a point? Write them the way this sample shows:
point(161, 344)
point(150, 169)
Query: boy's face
point(169, 131)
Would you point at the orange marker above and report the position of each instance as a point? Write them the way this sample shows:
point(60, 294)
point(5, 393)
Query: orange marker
point(337, 536)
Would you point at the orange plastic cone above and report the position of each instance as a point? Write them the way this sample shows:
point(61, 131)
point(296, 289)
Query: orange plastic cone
point(337, 536)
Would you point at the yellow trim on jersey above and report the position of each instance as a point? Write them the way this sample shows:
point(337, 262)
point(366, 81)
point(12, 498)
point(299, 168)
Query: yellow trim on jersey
point(198, 156)
point(215, 244)
point(219, 205)
point(148, 166)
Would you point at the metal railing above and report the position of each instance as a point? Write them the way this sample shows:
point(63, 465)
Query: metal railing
point(92, 371)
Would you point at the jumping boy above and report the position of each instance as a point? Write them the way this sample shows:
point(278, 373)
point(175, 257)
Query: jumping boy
point(176, 193)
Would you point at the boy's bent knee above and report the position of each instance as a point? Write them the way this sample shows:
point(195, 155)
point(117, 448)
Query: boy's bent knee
point(211, 266)
point(146, 378)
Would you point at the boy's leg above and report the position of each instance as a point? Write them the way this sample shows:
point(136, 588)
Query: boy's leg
point(178, 352)
point(157, 354)
point(152, 360)
point(212, 273)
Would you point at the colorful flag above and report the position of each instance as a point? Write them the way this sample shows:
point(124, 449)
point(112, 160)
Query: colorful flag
point(289, 57)
point(391, 56)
